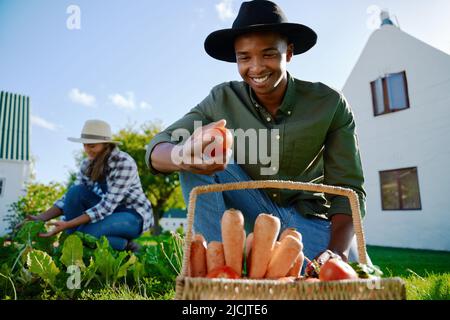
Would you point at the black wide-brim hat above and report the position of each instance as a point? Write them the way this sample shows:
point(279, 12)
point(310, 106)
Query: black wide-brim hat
point(254, 16)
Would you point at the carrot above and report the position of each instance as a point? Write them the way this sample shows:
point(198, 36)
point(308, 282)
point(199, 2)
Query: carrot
point(248, 244)
point(265, 234)
point(287, 279)
point(297, 266)
point(214, 256)
point(298, 263)
point(248, 250)
point(233, 237)
point(276, 246)
point(283, 258)
point(292, 232)
point(200, 237)
point(198, 257)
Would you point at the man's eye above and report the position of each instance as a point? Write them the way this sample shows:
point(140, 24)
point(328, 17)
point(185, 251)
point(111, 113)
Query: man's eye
point(270, 55)
point(242, 58)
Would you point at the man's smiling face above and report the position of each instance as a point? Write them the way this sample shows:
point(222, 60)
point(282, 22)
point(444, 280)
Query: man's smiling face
point(262, 58)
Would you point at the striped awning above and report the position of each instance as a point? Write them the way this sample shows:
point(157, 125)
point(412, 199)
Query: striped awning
point(14, 127)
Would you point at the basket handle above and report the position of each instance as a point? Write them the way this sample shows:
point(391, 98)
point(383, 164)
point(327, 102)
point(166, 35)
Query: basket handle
point(276, 184)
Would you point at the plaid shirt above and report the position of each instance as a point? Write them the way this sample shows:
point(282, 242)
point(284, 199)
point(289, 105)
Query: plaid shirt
point(124, 188)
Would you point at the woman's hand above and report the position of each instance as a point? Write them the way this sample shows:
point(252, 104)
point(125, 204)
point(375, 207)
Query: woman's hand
point(29, 218)
point(33, 218)
point(59, 226)
point(51, 213)
point(63, 225)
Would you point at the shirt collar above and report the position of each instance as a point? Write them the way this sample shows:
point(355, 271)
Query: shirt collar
point(288, 101)
point(113, 155)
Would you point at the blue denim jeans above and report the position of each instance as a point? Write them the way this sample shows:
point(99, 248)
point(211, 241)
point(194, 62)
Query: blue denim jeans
point(123, 225)
point(210, 207)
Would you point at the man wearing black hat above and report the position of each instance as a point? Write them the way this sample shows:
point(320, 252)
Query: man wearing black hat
point(315, 138)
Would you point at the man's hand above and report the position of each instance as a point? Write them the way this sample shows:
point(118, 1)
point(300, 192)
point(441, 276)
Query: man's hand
point(342, 234)
point(192, 156)
point(59, 226)
point(326, 255)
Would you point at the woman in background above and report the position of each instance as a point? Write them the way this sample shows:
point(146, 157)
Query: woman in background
point(107, 197)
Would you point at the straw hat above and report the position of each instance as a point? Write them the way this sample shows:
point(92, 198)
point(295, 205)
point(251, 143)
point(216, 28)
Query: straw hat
point(95, 131)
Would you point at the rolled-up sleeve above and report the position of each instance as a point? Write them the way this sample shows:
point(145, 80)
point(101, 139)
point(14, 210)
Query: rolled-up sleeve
point(342, 160)
point(119, 180)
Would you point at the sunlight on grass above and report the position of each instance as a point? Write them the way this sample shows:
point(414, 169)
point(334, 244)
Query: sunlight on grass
point(431, 287)
point(426, 272)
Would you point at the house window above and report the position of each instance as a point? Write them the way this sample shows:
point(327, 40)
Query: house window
point(400, 189)
point(390, 93)
point(2, 186)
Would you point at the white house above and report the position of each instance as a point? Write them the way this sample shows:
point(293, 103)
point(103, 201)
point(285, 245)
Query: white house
point(399, 91)
point(14, 150)
point(174, 219)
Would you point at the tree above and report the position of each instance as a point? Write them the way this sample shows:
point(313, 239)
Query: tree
point(164, 192)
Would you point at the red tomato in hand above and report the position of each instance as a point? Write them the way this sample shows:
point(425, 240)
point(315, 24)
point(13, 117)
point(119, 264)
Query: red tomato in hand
point(336, 269)
point(226, 135)
point(223, 272)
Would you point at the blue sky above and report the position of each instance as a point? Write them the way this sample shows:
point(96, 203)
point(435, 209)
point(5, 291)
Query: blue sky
point(143, 60)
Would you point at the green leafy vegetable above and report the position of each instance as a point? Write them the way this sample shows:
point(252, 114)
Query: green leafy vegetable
point(40, 263)
point(72, 252)
point(365, 271)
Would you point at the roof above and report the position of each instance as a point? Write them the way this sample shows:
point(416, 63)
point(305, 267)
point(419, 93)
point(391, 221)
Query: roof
point(14, 127)
point(175, 213)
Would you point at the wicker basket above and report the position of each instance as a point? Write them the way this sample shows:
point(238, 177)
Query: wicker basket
point(189, 288)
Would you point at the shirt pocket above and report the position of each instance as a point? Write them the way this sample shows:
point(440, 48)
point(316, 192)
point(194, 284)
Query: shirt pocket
point(306, 150)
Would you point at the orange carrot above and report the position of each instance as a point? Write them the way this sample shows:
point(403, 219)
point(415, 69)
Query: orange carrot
point(287, 279)
point(283, 258)
point(276, 246)
point(198, 257)
point(233, 238)
point(199, 237)
point(297, 266)
point(265, 234)
point(292, 232)
point(248, 250)
point(248, 244)
point(214, 256)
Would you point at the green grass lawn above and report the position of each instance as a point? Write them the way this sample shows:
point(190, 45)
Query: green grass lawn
point(426, 273)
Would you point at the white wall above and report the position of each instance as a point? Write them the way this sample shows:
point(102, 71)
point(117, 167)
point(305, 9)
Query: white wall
point(172, 224)
point(14, 174)
point(416, 137)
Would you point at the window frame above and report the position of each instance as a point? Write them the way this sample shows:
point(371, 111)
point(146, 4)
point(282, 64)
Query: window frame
point(386, 104)
point(399, 189)
point(2, 186)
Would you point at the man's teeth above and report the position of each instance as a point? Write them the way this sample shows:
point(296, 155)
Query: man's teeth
point(260, 80)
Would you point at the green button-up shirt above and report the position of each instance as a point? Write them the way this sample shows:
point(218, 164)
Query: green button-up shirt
point(316, 136)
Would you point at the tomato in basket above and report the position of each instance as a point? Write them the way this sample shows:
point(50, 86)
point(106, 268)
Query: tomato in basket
point(336, 269)
point(223, 272)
